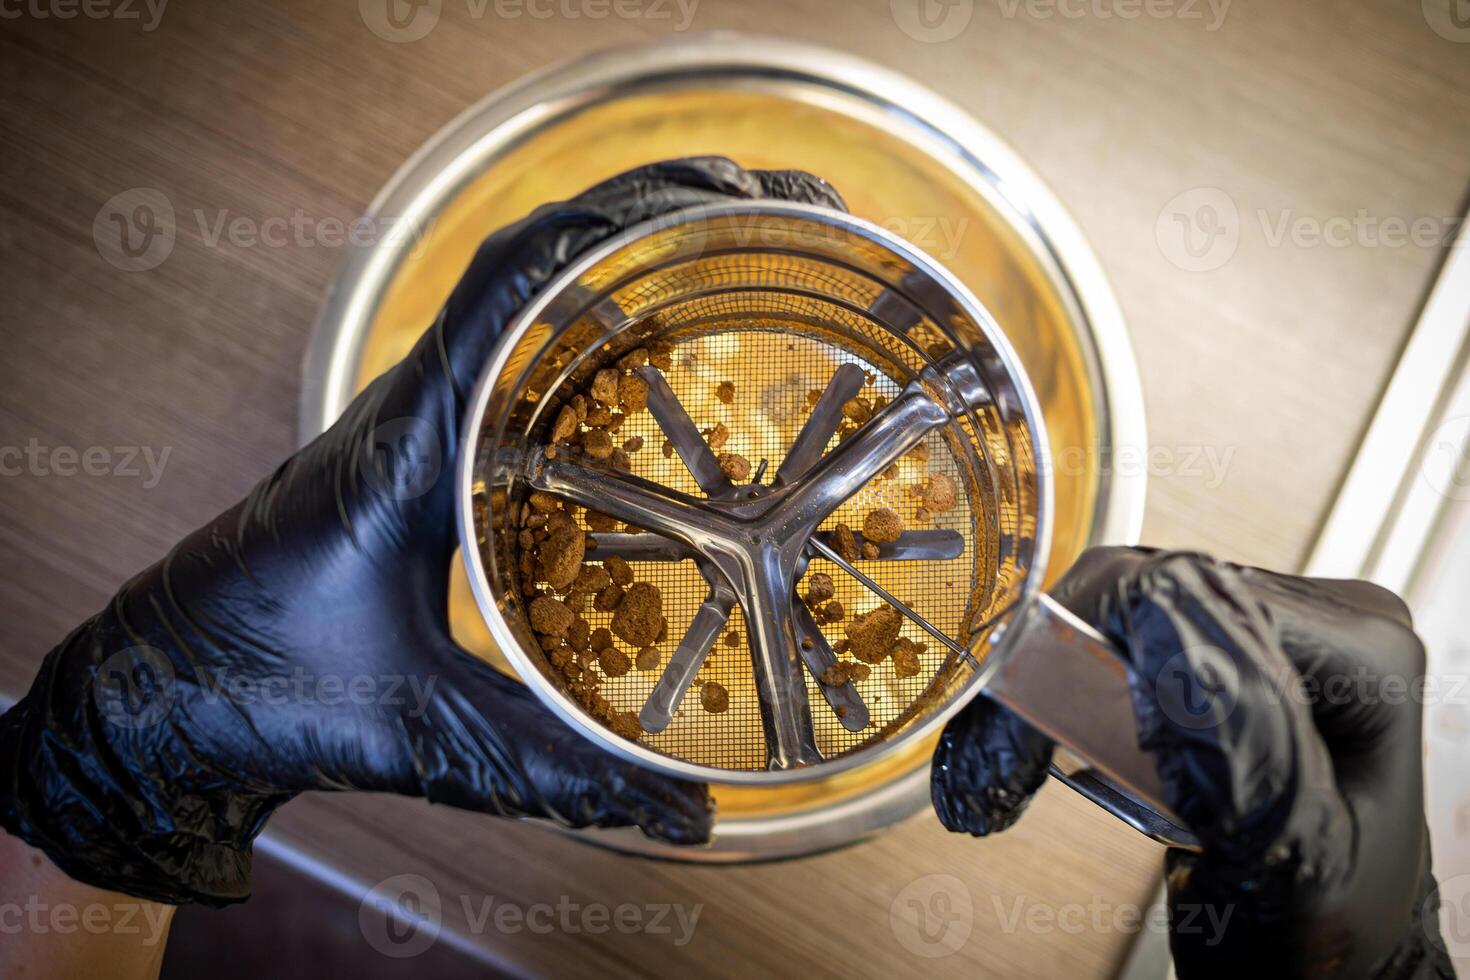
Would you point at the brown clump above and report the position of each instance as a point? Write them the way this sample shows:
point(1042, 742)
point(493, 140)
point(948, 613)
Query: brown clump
point(833, 611)
point(632, 445)
point(871, 635)
point(870, 550)
point(550, 616)
point(882, 525)
point(597, 444)
point(598, 521)
point(635, 358)
point(592, 579)
point(843, 671)
point(566, 424)
point(725, 392)
point(626, 725)
point(920, 453)
point(941, 493)
point(715, 698)
point(647, 658)
point(600, 417)
point(844, 543)
point(614, 662)
point(819, 587)
point(812, 397)
point(632, 394)
point(601, 639)
point(605, 386)
point(732, 639)
point(560, 557)
point(735, 466)
point(608, 599)
point(661, 355)
point(668, 449)
point(543, 503)
point(640, 615)
point(858, 410)
point(905, 655)
point(618, 570)
point(717, 436)
point(619, 460)
point(578, 634)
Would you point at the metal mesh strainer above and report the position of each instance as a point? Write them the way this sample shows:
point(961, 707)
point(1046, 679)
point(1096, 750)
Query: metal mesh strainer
point(850, 373)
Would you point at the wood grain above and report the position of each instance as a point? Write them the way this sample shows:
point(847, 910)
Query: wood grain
point(263, 109)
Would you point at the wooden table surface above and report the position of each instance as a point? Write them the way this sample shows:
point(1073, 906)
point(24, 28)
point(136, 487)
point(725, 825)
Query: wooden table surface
point(1340, 116)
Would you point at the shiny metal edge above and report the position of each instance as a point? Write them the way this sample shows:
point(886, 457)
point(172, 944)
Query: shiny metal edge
point(444, 165)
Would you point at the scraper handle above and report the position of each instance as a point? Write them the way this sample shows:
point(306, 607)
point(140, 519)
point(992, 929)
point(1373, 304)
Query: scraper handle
point(1066, 680)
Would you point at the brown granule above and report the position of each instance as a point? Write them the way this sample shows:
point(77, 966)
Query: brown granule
point(633, 444)
point(725, 392)
point(833, 612)
point(635, 358)
point(668, 449)
point(614, 662)
point(812, 397)
point(526, 539)
point(626, 725)
point(844, 543)
point(616, 423)
point(732, 639)
point(619, 460)
point(543, 503)
point(843, 671)
point(923, 516)
point(640, 615)
point(548, 642)
point(734, 466)
point(661, 356)
point(870, 550)
point(597, 444)
point(618, 570)
point(560, 556)
point(632, 394)
point(608, 599)
point(941, 493)
point(605, 386)
point(600, 417)
point(647, 658)
point(601, 639)
point(717, 435)
point(882, 525)
point(819, 588)
point(566, 424)
point(550, 616)
point(920, 453)
point(857, 410)
point(906, 657)
point(578, 634)
point(598, 521)
point(715, 698)
point(872, 634)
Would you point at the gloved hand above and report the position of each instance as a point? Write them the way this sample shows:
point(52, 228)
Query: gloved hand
point(300, 640)
point(1281, 714)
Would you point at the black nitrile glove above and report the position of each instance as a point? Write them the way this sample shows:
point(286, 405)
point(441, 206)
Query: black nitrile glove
point(1282, 715)
point(300, 640)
